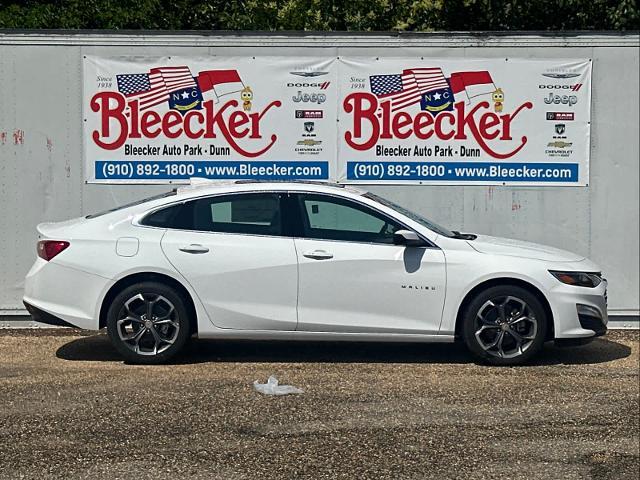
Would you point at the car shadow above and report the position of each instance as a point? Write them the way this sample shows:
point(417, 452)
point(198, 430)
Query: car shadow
point(97, 348)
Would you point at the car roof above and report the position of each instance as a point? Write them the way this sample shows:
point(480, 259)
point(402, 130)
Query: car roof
point(199, 187)
point(202, 188)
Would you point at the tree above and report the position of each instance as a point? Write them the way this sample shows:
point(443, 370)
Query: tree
point(323, 15)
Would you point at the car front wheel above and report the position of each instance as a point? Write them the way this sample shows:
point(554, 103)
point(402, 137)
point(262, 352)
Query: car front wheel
point(148, 323)
point(504, 325)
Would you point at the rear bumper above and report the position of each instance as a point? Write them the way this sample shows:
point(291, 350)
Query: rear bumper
point(62, 294)
point(41, 316)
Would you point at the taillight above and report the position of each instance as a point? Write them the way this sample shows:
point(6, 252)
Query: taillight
point(48, 249)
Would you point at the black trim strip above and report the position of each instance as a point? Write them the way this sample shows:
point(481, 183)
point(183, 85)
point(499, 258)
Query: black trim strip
point(45, 317)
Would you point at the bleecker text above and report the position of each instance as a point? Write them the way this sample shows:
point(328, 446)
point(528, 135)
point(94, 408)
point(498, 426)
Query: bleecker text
point(121, 120)
point(377, 119)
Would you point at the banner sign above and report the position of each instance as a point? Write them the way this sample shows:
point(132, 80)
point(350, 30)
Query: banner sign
point(155, 120)
point(353, 120)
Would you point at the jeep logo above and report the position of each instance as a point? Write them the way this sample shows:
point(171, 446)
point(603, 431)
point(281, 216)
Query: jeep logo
point(309, 97)
point(561, 99)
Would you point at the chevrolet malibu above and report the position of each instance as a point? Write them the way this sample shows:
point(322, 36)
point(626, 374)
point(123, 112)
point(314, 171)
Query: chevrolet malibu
point(303, 261)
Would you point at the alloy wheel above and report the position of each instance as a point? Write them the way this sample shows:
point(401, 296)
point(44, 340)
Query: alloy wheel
point(505, 327)
point(148, 324)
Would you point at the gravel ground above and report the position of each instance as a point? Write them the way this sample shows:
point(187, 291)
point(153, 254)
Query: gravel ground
point(70, 408)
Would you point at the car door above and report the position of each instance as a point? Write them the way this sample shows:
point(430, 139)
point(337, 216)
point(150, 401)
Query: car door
point(232, 250)
point(352, 278)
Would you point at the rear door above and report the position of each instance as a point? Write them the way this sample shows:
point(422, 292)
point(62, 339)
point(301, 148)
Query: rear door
point(233, 251)
point(352, 278)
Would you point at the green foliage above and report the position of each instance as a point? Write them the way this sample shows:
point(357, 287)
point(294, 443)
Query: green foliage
point(323, 15)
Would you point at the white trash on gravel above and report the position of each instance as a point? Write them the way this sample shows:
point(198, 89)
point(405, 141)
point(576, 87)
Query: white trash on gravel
point(272, 387)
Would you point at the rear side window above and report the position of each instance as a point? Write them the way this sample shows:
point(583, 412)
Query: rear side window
point(252, 214)
point(163, 218)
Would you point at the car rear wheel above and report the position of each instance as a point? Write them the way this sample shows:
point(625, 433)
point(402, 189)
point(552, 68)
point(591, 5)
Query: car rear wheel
point(148, 323)
point(504, 325)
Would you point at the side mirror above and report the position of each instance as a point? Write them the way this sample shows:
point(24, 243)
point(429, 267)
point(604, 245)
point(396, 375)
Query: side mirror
point(408, 239)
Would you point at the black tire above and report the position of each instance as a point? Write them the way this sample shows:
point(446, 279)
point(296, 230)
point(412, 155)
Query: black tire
point(162, 338)
point(483, 325)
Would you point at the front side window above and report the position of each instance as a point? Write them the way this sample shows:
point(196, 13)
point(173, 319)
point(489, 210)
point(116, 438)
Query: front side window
point(331, 218)
point(434, 227)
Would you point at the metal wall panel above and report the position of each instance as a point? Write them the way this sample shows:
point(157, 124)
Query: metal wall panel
point(41, 177)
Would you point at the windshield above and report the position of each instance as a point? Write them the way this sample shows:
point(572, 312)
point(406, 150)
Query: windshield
point(133, 204)
point(434, 227)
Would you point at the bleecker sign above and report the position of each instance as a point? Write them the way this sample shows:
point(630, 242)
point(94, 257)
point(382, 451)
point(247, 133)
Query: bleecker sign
point(167, 119)
point(122, 120)
point(380, 123)
point(461, 121)
point(385, 120)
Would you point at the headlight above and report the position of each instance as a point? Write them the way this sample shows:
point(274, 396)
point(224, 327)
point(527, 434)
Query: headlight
point(578, 279)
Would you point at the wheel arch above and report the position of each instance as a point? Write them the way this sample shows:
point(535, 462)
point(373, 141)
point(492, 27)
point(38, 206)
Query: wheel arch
point(138, 277)
point(494, 282)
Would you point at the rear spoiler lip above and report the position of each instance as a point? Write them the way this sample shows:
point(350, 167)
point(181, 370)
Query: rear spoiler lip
point(57, 230)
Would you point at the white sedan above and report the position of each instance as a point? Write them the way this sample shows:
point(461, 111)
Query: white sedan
point(303, 261)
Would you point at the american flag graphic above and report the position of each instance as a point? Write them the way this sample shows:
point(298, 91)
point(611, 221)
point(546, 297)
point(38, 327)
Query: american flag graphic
point(407, 88)
point(154, 87)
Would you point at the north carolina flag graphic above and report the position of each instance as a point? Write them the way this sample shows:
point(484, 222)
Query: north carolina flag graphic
point(177, 86)
point(221, 82)
point(472, 84)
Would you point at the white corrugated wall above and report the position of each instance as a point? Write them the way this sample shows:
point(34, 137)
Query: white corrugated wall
point(42, 178)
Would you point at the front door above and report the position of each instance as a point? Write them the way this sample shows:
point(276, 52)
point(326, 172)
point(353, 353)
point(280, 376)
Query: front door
point(232, 251)
point(352, 278)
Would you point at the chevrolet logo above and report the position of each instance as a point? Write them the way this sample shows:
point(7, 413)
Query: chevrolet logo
point(309, 142)
point(559, 144)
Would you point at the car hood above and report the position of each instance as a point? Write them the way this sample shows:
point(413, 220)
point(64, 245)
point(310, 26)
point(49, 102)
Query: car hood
point(518, 248)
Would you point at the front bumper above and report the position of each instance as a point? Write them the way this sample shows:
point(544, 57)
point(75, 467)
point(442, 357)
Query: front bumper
point(591, 318)
point(579, 312)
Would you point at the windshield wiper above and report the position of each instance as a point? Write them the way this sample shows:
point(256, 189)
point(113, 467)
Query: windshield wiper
point(463, 236)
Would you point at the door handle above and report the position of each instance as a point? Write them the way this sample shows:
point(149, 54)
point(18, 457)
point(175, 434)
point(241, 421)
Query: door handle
point(194, 248)
point(318, 255)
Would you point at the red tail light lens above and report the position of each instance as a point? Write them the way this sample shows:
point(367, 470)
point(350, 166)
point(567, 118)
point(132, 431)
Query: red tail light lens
point(48, 249)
